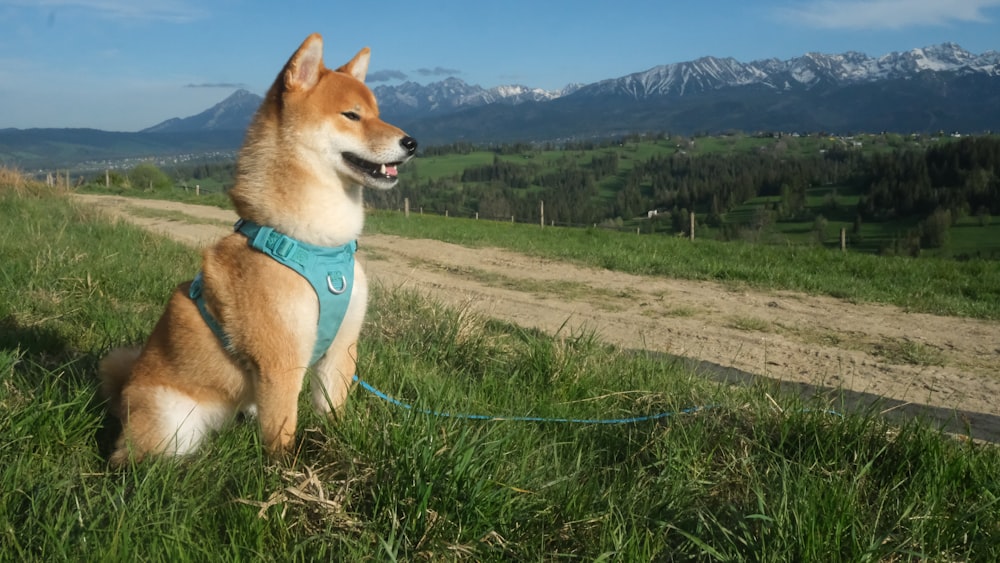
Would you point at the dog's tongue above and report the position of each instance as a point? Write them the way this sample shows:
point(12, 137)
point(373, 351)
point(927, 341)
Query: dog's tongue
point(387, 170)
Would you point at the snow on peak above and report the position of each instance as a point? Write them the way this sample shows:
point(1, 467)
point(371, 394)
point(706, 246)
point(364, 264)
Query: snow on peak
point(808, 70)
point(705, 74)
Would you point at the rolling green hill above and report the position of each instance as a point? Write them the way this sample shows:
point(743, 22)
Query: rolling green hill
point(784, 189)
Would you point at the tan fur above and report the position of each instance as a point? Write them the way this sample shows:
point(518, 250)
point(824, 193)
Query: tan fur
point(291, 176)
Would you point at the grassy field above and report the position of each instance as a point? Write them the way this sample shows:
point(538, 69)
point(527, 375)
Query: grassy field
point(752, 476)
point(933, 285)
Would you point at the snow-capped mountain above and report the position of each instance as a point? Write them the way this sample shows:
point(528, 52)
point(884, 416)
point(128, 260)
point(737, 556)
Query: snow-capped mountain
point(932, 88)
point(452, 94)
point(805, 72)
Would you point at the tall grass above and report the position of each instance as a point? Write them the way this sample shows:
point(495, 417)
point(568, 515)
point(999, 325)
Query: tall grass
point(756, 477)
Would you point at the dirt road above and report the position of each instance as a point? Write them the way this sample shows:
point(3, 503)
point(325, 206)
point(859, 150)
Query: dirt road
point(943, 368)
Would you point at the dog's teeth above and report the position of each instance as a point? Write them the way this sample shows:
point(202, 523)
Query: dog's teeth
point(381, 169)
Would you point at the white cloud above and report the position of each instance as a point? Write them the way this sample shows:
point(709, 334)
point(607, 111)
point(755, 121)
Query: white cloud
point(886, 14)
point(174, 11)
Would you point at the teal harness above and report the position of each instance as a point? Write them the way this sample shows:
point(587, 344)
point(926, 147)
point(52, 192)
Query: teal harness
point(329, 270)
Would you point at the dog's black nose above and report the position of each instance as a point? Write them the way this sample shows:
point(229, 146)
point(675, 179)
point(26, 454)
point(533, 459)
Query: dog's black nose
point(409, 143)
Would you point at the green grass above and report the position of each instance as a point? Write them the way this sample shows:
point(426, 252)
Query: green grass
point(968, 238)
point(758, 477)
point(932, 285)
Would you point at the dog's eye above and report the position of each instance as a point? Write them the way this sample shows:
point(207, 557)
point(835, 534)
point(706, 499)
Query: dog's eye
point(351, 115)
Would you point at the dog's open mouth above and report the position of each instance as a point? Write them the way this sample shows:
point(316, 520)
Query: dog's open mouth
point(374, 170)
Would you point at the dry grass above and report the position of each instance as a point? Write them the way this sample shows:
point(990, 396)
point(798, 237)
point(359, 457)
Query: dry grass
point(14, 180)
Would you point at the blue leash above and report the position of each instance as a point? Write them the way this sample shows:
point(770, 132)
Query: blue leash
point(367, 387)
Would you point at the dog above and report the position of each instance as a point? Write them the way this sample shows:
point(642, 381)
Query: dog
point(281, 294)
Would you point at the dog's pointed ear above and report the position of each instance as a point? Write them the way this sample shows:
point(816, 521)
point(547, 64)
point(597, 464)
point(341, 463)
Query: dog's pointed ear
point(358, 66)
point(303, 69)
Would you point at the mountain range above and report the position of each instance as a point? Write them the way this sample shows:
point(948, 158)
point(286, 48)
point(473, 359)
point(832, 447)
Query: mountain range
point(941, 87)
point(811, 92)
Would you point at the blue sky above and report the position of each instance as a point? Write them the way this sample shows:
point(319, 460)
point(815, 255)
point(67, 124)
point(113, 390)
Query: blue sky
point(124, 65)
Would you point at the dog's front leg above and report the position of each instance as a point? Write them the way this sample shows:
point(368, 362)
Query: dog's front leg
point(332, 376)
point(277, 397)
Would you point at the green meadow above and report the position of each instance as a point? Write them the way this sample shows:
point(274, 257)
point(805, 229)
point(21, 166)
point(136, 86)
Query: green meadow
point(749, 475)
point(932, 285)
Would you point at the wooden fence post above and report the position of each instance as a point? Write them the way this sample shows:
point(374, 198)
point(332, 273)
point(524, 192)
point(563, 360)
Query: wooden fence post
point(843, 239)
point(107, 178)
point(541, 213)
point(692, 225)
point(406, 207)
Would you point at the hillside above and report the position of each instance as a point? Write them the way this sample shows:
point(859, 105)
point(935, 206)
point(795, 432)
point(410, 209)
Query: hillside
point(93, 149)
point(892, 194)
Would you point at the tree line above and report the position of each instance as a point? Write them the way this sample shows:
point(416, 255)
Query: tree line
point(933, 186)
point(962, 177)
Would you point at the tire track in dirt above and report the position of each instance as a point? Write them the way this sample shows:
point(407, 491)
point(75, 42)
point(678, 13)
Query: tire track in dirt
point(915, 364)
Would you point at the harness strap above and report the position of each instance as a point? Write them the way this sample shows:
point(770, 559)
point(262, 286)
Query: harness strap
point(196, 292)
point(329, 270)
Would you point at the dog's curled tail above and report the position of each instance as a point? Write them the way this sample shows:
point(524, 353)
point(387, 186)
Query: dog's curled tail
point(114, 371)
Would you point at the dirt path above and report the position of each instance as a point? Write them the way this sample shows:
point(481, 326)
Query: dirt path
point(943, 368)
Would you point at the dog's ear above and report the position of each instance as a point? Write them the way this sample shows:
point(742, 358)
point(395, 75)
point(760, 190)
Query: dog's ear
point(303, 69)
point(358, 66)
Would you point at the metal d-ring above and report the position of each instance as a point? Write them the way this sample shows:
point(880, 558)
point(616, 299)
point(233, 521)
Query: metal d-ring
point(334, 290)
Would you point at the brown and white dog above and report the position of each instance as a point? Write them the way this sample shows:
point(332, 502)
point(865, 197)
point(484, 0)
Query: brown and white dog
point(314, 143)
